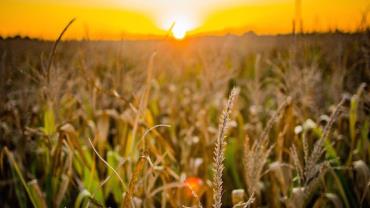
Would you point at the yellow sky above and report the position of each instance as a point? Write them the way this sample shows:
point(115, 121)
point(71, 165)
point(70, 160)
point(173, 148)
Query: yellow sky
point(114, 19)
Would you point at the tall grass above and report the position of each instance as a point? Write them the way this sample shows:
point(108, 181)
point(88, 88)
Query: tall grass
point(290, 144)
point(219, 151)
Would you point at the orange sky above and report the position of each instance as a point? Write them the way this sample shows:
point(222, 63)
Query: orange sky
point(114, 19)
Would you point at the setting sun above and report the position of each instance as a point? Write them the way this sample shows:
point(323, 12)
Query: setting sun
point(179, 31)
point(179, 26)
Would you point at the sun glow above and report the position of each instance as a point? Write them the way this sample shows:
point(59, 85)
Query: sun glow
point(142, 19)
point(180, 25)
point(179, 31)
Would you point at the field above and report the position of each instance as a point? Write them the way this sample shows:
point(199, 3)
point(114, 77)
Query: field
point(148, 123)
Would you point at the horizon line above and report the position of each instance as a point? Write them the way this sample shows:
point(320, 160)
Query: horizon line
point(221, 33)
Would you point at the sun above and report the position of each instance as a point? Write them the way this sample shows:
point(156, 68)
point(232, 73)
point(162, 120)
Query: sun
point(179, 25)
point(179, 31)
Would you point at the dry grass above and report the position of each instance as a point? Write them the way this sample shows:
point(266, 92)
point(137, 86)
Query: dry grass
point(219, 151)
point(159, 139)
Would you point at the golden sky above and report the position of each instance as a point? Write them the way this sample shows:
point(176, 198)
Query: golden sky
point(114, 19)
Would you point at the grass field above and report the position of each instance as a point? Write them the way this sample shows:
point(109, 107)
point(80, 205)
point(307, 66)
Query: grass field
point(149, 123)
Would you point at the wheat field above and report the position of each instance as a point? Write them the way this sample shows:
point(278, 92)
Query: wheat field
point(231, 121)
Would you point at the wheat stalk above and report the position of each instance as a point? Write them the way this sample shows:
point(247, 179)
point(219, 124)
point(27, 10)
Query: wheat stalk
point(220, 148)
point(311, 167)
point(255, 156)
point(310, 170)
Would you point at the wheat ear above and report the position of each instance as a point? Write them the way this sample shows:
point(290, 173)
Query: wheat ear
point(220, 148)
